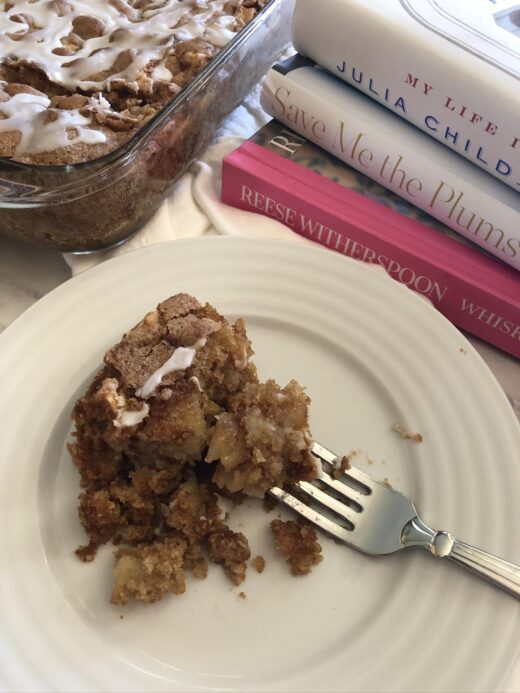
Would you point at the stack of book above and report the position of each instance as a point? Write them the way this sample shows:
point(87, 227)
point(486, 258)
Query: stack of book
point(396, 140)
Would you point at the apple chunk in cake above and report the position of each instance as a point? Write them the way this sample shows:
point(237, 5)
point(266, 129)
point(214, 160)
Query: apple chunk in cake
point(262, 440)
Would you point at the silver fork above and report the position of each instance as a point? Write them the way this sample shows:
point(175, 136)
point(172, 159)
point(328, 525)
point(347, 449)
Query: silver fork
point(374, 518)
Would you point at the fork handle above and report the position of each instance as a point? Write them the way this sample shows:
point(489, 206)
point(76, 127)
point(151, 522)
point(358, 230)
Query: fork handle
point(496, 570)
point(443, 545)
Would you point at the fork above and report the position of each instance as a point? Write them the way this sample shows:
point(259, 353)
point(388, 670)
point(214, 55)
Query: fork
point(376, 519)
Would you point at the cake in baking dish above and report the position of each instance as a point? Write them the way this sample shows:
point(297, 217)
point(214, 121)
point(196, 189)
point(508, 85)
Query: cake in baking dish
point(176, 418)
point(77, 79)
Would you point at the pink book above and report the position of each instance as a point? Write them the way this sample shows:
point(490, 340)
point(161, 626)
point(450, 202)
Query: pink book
point(279, 174)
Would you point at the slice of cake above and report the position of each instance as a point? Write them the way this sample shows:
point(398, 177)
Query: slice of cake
point(175, 417)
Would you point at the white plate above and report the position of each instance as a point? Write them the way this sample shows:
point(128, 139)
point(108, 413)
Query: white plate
point(371, 354)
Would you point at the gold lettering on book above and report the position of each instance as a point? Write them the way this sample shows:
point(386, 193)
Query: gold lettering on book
point(287, 141)
point(363, 156)
point(302, 120)
point(397, 178)
point(446, 198)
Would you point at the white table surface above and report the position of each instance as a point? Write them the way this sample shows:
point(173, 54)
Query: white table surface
point(28, 273)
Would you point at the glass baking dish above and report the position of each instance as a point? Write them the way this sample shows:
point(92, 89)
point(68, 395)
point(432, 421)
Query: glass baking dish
point(97, 204)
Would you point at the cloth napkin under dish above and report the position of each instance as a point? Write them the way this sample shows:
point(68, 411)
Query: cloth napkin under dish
point(194, 209)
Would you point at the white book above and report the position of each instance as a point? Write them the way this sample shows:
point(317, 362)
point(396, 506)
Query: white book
point(368, 137)
point(450, 67)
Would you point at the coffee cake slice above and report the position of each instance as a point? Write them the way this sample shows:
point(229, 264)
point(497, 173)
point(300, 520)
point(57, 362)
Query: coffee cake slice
point(176, 416)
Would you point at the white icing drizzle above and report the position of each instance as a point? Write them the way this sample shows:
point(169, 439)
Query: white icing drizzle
point(197, 382)
point(218, 35)
point(117, 401)
point(181, 359)
point(126, 417)
point(28, 114)
point(146, 35)
point(161, 72)
point(98, 102)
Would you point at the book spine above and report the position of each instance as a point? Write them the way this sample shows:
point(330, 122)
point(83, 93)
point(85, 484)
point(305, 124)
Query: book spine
point(257, 180)
point(455, 97)
point(395, 154)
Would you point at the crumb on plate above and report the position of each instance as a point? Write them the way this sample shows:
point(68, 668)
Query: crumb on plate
point(258, 564)
point(406, 435)
point(298, 544)
point(341, 465)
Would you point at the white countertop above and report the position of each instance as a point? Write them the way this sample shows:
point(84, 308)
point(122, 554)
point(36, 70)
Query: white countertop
point(26, 274)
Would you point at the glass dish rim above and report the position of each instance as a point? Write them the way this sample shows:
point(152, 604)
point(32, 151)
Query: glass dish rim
point(127, 148)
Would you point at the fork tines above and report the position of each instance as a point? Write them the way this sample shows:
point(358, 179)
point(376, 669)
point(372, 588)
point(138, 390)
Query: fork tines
point(341, 500)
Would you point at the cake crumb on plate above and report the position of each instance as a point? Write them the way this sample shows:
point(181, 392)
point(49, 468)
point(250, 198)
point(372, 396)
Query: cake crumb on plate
point(341, 465)
point(258, 564)
point(298, 544)
point(406, 435)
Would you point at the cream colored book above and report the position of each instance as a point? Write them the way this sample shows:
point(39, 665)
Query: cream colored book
point(450, 67)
